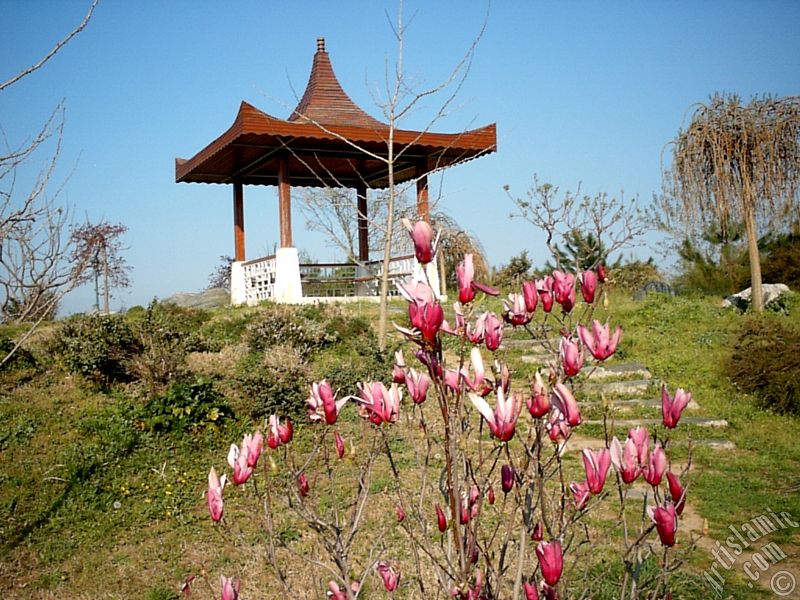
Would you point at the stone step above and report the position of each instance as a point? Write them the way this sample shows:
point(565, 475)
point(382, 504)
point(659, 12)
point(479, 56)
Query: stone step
point(621, 370)
point(697, 421)
point(629, 388)
point(628, 404)
point(532, 345)
point(538, 359)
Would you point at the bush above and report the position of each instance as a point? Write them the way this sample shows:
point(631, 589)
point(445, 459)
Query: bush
point(184, 407)
point(97, 347)
point(282, 326)
point(766, 362)
point(634, 275)
point(166, 333)
point(21, 359)
point(275, 381)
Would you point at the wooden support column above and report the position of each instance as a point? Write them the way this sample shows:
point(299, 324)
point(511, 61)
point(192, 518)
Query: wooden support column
point(423, 208)
point(238, 221)
point(363, 231)
point(284, 202)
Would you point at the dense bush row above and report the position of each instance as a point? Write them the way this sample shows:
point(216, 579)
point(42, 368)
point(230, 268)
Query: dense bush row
point(766, 362)
point(280, 350)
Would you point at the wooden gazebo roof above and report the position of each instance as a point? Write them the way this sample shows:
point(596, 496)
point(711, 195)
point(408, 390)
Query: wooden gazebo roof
point(327, 141)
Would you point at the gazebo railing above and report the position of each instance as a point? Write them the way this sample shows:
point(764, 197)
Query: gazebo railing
point(325, 280)
point(259, 279)
point(351, 279)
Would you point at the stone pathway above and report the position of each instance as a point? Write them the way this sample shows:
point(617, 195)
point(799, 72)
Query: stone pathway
point(629, 388)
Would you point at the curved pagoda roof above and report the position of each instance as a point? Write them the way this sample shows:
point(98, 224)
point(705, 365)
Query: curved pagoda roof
point(328, 141)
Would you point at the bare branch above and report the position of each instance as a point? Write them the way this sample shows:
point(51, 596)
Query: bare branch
point(63, 42)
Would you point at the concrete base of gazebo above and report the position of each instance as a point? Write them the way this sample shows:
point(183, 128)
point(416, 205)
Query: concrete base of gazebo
point(282, 279)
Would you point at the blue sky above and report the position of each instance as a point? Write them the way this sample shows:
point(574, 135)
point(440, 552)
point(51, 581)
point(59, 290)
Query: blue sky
point(581, 92)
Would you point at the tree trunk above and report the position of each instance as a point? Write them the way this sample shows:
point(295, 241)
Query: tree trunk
point(757, 295)
point(105, 279)
point(387, 245)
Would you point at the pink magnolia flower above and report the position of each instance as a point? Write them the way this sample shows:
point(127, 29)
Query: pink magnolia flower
point(677, 492)
point(335, 592)
point(530, 295)
point(656, 466)
point(545, 289)
point(441, 520)
point(467, 286)
point(478, 383)
point(503, 379)
point(600, 342)
point(401, 514)
point(531, 593)
point(596, 465)
point(565, 402)
point(465, 272)
point(602, 273)
point(338, 442)
point(666, 521)
point(588, 281)
point(476, 334)
point(515, 312)
point(302, 485)
point(323, 404)
point(422, 236)
point(377, 403)
point(571, 356)
point(492, 330)
point(243, 460)
point(539, 400)
point(214, 496)
point(551, 561)
point(502, 420)
point(389, 574)
point(399, 369)
point(625, 460)
point(490, 496)
point(580, 493)
point(563, 283)
point(671, 408)
point(452, 379)
point(417, 384)
point(557, 426)
point(507, 476)
point(538, 532)
point(230, 587)
point(641, 439)
point(424, 312)
point(279, 434)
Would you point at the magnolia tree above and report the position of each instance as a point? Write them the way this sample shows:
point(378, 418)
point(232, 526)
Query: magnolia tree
point(458, 482)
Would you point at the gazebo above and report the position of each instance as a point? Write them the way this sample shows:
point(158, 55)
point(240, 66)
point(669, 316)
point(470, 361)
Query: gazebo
point(327, 141)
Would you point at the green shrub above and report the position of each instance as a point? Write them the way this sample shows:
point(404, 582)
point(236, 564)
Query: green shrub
point(97, 347)
point(633, 275)
point(21, 359)
point(225, 330)
point(275, 381)
point(766, 362)
point(183, 407)
point(283, 326)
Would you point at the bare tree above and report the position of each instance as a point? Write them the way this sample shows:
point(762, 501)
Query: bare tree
point(34, 275)
point(739, 162)
point(221, 275)
point(96, 254)
point(609, 222)
point(333, 212)
point(397, 100)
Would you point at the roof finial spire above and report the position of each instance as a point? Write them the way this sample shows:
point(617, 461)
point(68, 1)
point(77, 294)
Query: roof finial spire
point(320, 44)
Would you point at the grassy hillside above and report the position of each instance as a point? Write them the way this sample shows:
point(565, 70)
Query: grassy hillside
point(102, 479)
